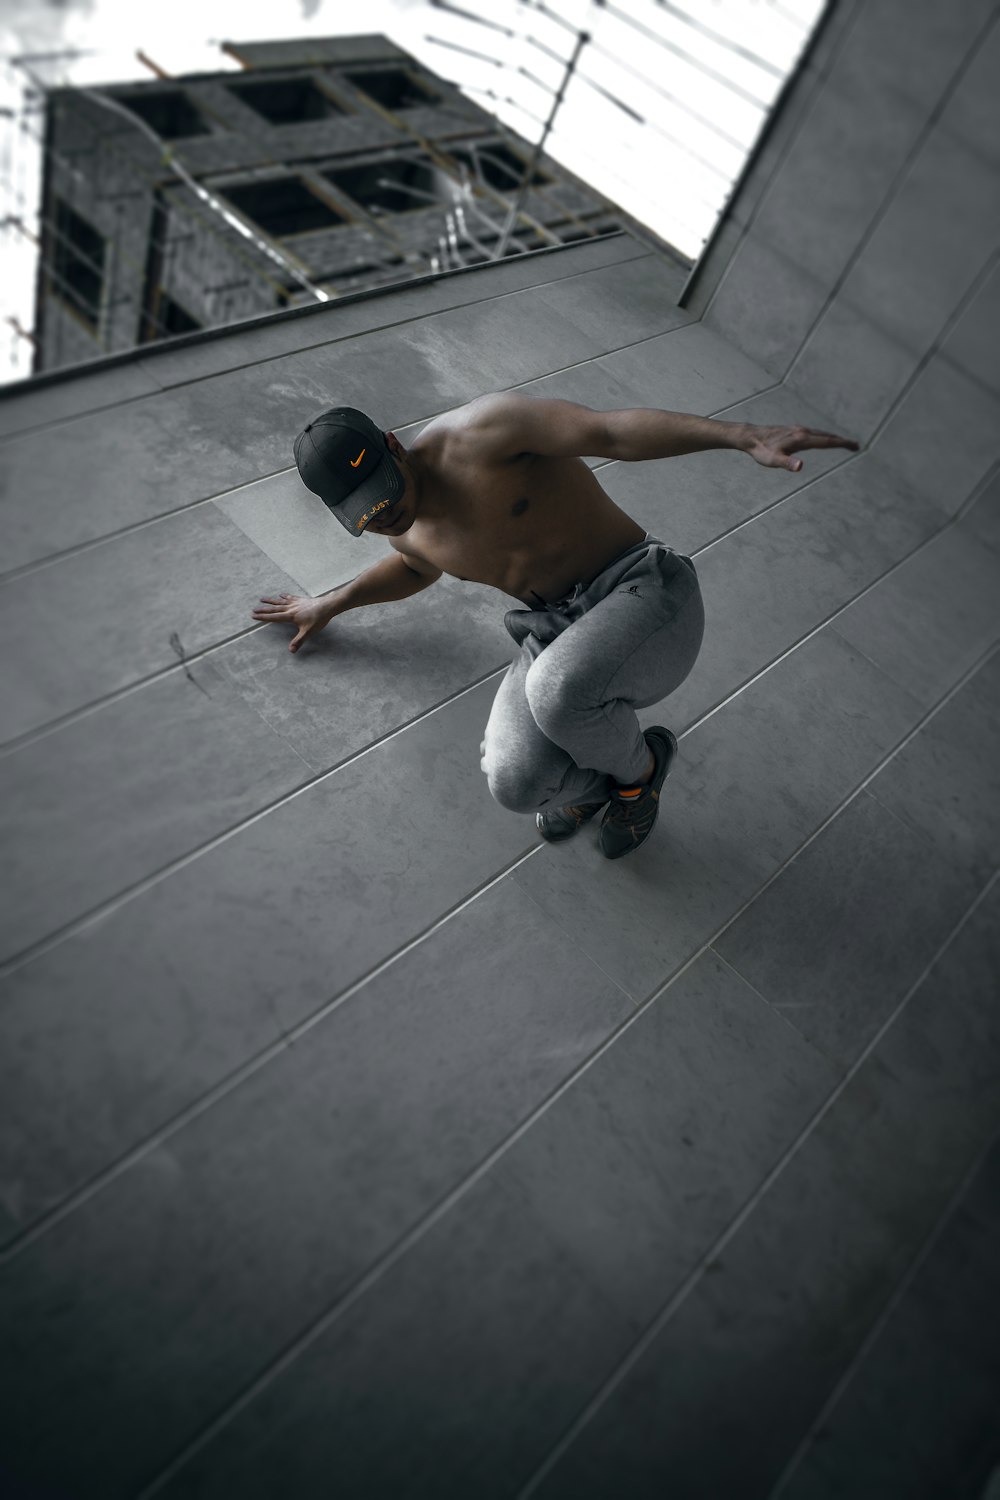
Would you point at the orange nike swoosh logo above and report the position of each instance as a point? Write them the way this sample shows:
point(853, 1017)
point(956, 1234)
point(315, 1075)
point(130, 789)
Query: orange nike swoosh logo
point(356, 461)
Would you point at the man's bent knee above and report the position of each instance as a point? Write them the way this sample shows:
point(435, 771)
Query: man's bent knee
point(554, 697)
point(515, 793)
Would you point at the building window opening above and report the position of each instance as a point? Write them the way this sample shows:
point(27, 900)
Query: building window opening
point(393, 88)
point(528, 239)
point(497, 166)
point(394, 187)
point(77, 267)
point(521, 239)
point(282, 206)
point(504, 169)
point(167, 111)
point(172, 318)
point(569, 236)
point(286, 101)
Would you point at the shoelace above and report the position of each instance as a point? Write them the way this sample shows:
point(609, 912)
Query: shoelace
point(581, 812)
point(623, 810)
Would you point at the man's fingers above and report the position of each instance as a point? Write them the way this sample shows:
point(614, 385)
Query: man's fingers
point(776, 445)
point(819, 439)
point(778, 456)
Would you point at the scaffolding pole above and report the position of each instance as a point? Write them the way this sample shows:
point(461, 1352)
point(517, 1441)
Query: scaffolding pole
point(522, 192)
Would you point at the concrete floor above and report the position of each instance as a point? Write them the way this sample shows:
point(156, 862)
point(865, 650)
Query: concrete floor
point(355, 1141)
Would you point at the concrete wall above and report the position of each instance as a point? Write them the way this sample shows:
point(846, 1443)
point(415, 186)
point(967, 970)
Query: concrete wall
point(356, 1141)
point(352, 1140)
point(859, 261)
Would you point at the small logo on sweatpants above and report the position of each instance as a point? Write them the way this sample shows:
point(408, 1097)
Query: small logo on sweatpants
point(634, 589)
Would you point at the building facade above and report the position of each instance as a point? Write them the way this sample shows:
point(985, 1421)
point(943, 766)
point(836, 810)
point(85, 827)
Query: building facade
point(324, 167)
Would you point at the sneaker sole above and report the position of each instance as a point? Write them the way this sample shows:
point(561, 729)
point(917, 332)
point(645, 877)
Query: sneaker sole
point(555, 832)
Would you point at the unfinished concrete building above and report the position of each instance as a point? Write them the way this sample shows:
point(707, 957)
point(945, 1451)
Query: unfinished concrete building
point(348, 164)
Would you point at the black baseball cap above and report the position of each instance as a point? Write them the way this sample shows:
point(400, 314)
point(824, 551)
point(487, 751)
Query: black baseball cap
point(345, 460)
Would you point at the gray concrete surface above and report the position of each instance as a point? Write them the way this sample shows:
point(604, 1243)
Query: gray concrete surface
point(354, 1140)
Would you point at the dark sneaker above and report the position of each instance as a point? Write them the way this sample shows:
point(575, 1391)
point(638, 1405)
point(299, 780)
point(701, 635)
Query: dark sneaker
point(562, 822)
point(632, 811)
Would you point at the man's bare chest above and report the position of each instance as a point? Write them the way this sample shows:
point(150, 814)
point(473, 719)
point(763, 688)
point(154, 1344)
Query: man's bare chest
point(528, 533)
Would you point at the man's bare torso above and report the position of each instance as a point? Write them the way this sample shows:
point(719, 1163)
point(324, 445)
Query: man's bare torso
point(527, 525)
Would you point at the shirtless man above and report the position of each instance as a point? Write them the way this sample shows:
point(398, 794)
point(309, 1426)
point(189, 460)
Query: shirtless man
point(496, 492)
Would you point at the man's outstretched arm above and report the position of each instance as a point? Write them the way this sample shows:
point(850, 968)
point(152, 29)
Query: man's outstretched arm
point(562, 429)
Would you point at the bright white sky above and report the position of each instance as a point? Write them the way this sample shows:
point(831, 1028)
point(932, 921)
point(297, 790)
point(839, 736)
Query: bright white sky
point(703, 103)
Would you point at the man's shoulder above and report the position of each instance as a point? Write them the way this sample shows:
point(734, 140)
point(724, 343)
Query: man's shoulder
point(508, 427)
point(492, 419)
point(478, 412)
point(498, 408)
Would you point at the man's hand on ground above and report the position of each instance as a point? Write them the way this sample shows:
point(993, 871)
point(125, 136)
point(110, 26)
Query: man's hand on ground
point(771, 446)
point(310, 615)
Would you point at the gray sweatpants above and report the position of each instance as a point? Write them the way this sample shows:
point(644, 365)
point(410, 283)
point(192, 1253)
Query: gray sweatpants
point(563, 728)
